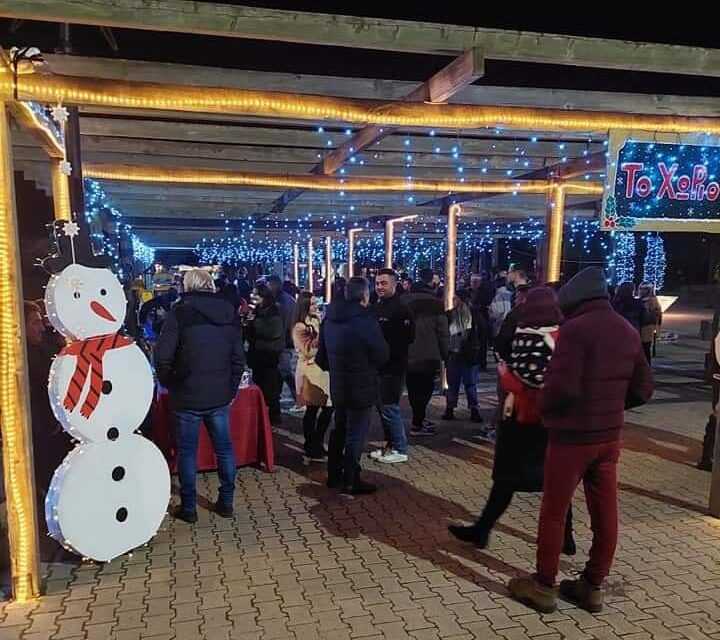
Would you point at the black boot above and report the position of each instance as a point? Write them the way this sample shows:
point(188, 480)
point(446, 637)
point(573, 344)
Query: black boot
point(706, 461)
point(475, 415)
point(478, 536)
point(569, 546)
point(359, 488)
point(449, 414)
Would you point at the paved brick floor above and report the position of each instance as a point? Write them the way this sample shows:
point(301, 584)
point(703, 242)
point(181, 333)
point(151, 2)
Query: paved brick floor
point(301, 561)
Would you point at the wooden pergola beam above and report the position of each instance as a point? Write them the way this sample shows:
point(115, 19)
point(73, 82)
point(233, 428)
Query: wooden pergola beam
point(460, 73)
point(560, 171)
point(218, 19)
point(375, 88)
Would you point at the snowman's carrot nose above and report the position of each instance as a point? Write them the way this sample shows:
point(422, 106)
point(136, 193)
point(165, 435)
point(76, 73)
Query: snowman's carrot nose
point(101, 311)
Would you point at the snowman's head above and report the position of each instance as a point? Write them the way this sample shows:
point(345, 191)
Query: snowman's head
point(83, 302)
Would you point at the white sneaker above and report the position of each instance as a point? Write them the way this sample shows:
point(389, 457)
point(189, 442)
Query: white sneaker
point(392, 457)
point(377, 454)
point(295, 409)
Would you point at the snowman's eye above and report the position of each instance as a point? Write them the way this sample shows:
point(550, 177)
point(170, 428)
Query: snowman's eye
point(76, 295)
point(103, 292)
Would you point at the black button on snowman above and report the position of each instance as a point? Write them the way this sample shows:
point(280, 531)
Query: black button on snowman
point(111, 492)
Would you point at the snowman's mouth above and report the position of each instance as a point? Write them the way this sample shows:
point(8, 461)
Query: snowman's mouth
point(101, 311)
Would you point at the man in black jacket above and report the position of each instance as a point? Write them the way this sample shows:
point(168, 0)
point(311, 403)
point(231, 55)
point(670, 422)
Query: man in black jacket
point(199, 358)
point(353, 350)
point(398, 329)
point(428, 351)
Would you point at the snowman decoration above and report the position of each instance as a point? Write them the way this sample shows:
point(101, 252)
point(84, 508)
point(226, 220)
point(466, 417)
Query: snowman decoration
point(111, 492)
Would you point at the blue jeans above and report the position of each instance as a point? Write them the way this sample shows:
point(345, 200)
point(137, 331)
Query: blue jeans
point(358, 425)
point(393, 426)
point(217, 423)
point(458, 372)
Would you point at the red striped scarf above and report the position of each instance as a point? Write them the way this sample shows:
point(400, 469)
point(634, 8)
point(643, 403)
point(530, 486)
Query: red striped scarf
point(89, 354)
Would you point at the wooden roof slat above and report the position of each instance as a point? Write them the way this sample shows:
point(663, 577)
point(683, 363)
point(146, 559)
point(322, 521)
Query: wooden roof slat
point(219, 19)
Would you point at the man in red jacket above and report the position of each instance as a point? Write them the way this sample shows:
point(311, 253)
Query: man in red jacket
point(597, 371)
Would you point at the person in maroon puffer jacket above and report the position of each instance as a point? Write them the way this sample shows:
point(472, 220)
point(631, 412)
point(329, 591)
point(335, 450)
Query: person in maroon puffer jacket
point(598, 371)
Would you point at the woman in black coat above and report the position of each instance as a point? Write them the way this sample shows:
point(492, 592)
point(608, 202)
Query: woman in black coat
point(266, 339)
point(521, 438)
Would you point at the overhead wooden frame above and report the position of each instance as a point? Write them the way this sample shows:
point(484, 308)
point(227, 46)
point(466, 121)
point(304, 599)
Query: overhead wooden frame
point(221, 19)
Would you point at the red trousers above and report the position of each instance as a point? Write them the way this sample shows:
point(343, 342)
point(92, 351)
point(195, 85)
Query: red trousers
point(565, 466)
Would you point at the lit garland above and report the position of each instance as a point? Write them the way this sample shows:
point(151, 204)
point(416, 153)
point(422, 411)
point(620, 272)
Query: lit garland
point(621, 263)
point(142, 253)
point(110, 235)
point(655, 261)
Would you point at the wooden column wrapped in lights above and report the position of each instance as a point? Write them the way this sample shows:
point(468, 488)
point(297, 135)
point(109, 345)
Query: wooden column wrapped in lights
point(14, 391)
point(554, 227)
point(390, 236)
point(61, 192)
point(310, 265)
point(454, 211)
point(296, 264)
point(328, 269)
point(351, 251)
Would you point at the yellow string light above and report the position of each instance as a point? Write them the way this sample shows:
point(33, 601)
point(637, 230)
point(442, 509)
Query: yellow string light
point(61, 192)
point(14, 401)
point(312, 182)
point(147, 95)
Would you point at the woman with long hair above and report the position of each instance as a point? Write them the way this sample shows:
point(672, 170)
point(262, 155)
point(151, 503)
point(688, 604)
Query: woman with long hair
point(311, 382)
point(652, 317)
point(464, 361)
point(265, 334)
point(521, 440)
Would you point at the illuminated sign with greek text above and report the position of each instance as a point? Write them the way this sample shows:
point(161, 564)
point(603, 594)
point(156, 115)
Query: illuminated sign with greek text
point(661, 185)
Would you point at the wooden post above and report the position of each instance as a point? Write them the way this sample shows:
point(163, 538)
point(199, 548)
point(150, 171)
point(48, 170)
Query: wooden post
point(74, 156)
point(14, 392)
point(296, 264)
point(714, 507)
point(351, 251)
point(310, 265)
point(328, 269)
point(61, 192)
point(389, 237)
point(451, 255)
point(554, 228)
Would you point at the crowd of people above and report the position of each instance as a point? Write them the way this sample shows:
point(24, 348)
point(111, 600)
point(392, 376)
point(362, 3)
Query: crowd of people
point(570, 360)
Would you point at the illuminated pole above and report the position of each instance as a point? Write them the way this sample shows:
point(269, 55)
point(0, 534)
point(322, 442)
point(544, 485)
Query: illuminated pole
point(310, 265)
point(390, 236)
point(451, 255)
point(554, 226)
point(328, 269)
point(296, 264)
point(61, 191)
point(351, 251)
point(14, 392)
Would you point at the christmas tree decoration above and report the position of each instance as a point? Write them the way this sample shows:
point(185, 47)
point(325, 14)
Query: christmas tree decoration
point(655, 261)
point(621, 264)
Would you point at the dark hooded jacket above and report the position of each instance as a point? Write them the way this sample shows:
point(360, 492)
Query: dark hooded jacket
point(352, 348)
point(199, 355)
point(432, 337)
point(598, 368)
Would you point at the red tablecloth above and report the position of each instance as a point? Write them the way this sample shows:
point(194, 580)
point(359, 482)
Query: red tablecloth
point(250, 431)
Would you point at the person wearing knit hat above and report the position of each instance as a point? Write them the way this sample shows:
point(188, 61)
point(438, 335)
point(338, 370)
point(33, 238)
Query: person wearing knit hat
point(597, 371)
